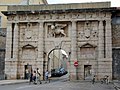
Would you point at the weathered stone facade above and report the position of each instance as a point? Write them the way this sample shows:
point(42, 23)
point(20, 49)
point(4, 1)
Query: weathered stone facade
point(84, 32)
point(116, 44)
point(2, 53)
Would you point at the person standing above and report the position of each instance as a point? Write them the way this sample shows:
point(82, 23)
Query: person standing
point(31, 76)
point(27, 73)
point(38, 76)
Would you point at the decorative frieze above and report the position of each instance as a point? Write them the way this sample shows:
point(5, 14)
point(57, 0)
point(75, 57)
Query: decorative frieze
point(77, 16)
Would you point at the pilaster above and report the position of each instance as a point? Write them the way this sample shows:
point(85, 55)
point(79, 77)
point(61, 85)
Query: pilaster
point(105, 50)
point(8, 50)
point(101, 41)
point(109, 48)
point(8, 42)
point(73, 74)
point(15, 43)
point(40, 47)
point(108, 39)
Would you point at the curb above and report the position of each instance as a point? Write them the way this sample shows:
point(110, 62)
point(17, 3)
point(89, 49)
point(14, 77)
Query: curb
point(12, 82)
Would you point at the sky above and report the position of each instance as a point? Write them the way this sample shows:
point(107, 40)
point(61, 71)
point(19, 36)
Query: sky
point(114, 3)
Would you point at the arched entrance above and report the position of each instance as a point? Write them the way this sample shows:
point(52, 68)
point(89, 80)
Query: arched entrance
point(57, 62)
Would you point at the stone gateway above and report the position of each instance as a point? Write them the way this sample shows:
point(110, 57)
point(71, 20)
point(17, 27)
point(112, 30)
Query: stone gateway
point(84, 29)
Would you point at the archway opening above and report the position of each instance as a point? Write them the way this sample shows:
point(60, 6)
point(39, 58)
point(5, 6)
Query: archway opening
point(57, 62)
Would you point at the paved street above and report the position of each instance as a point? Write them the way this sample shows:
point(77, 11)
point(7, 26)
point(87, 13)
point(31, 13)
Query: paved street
point(59, 85)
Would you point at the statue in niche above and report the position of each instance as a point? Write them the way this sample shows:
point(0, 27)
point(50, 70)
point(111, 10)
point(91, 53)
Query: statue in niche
point(58, 30)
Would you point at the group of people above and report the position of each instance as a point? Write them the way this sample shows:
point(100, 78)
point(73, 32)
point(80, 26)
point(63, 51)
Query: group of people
point(34, 76)
point(105, 79)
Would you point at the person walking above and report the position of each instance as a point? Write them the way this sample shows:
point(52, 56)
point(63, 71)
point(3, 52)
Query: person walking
point(34, 77)
point(93, 80)
point(46, 76)
point(38, 76)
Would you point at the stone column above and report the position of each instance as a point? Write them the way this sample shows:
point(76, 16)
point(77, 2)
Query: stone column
point(8, 50)
point(108, 39)
point(105, 57)
point(15, 43)
point(73, 74)
point(40, 47)
point(100, 50)
point(15, 51)
point(101, 41)
point(8, 42)
point(108, 47)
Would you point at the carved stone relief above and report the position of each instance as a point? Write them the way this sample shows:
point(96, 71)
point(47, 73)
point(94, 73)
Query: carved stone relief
point(87, 30)
point(22, 17)
point(62, 16)
point(103, 14)
point(28, 31)
point(22, 31)
point(83, 15)
point(11, 18)
point(35, 17)
point(57, 30)
point(89, 15)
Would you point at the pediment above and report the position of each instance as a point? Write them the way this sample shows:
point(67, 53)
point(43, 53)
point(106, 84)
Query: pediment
point(28, 46)
point(88, 45)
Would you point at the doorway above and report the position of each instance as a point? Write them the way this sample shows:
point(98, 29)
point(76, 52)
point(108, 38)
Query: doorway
point(87, 72)
point(27, 71)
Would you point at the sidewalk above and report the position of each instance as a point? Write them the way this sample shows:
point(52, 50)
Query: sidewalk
point(8, 82)
point(18, 81)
